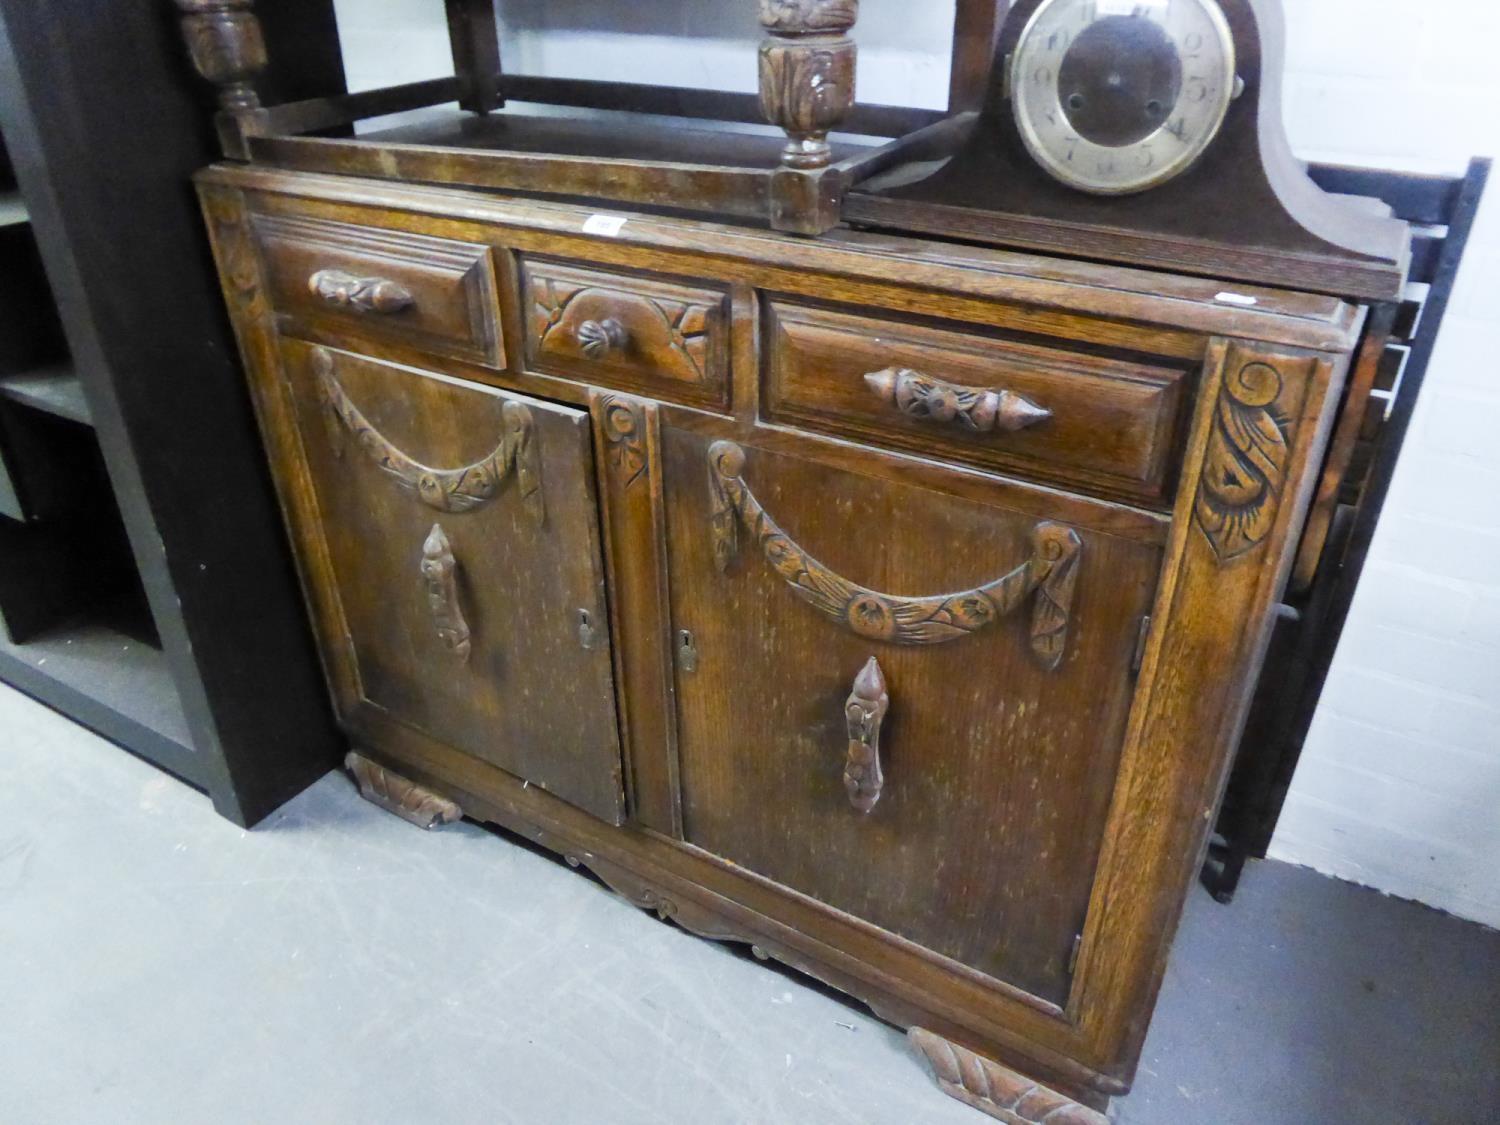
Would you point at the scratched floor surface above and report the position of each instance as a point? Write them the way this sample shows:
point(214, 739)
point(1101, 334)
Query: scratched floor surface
point(158, 965)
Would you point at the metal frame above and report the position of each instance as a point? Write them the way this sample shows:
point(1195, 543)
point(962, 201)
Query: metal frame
point(1313, 617)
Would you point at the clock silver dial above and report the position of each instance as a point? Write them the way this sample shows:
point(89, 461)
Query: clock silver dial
point(1118, 96)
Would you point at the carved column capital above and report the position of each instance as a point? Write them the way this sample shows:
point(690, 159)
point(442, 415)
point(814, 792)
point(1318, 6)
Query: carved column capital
point(227, 48)
point(808, 17)
point(807, 74)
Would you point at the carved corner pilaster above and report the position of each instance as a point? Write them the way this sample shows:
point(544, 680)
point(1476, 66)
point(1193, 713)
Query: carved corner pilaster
point(227, 48)
point(624, 424)
point(995, 1089)
point(402, 796)
point(807, 81)
point(1248, 457)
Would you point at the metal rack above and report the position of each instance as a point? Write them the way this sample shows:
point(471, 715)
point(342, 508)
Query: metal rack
point(1337, 544)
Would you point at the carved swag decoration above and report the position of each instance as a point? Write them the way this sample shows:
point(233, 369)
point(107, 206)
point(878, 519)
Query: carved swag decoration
point(1050, 574)
point(445, 490)
point(1246, 462)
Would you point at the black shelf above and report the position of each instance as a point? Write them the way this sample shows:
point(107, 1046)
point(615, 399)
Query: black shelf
point(146, 589)
point(53, 390)
point(13, 212)
point(115, 685)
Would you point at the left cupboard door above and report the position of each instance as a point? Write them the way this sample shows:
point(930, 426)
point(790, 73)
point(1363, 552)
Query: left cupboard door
point(459, 576)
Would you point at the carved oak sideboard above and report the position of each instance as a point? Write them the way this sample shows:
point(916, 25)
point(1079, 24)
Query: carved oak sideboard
point(888, 605)
point(644, 547)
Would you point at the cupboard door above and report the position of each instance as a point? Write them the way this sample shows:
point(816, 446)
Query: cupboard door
point(460, 531)
point(938, 764)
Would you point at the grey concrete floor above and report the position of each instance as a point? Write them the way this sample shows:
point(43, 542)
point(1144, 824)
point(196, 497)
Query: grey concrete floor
point(158, 965)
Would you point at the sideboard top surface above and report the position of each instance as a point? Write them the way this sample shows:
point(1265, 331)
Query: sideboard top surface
point(1193, 305)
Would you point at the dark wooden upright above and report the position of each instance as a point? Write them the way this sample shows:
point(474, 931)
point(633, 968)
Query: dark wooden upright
point(474, 31)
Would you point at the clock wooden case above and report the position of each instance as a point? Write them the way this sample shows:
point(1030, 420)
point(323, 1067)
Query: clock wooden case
point(1245, 209)
point(889, 605)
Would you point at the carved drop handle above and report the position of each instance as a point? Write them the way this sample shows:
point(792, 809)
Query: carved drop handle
point(974, 408)
point(598, 338)
point(1048, 577)
point(440, 573)
point(362, 294)
point(865, 714)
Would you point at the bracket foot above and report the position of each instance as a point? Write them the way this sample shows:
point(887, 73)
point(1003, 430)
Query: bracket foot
point(998, 1090)
point(399, 795)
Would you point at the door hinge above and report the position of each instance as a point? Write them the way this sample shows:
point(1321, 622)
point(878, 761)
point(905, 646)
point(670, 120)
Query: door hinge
point(1073, 955)
point(1139, 659)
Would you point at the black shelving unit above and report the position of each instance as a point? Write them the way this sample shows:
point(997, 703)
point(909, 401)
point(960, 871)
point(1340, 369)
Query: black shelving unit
point(1442, 210)
point(145, 586)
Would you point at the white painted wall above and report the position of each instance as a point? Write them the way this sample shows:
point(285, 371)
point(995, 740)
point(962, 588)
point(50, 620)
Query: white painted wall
point(1400, 785)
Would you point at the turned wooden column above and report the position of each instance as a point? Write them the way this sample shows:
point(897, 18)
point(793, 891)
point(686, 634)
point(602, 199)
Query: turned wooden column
point(807, 70)
point(807, 67)
point(227, 48)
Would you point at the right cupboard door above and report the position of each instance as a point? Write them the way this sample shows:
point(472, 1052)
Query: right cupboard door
point(939, 764)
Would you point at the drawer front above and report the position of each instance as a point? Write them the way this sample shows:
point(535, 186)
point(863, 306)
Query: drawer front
point(998, 404)
point(659, 336)
point(938, 764)
point(463, 590)
point(432, 294)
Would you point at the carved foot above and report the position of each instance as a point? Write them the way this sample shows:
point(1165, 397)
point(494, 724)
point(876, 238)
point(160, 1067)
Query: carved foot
point(396, 794)
point(997, 1090)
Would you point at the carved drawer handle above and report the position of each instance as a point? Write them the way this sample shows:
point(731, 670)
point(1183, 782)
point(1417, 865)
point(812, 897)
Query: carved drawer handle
point(362, 294)
point(1050, 575)
point(440, 572)
point(597, 338)
point(865, 713)
point(446, 490)
point(974, 408)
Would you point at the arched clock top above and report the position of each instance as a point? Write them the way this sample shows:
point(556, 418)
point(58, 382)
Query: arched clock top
point(1148, 132)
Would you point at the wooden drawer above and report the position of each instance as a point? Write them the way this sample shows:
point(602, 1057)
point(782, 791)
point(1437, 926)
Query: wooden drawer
point(999, 404)
point(661, 336)
point(432, 294)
